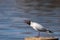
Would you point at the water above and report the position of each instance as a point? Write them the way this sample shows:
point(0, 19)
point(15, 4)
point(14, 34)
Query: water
point(12, 16)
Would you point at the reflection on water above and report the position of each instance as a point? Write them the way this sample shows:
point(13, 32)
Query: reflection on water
point(12, 16)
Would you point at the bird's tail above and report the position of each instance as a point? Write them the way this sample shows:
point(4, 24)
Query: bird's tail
point(49, 31)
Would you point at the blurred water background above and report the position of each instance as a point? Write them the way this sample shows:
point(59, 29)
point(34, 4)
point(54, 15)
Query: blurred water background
point(14, 12)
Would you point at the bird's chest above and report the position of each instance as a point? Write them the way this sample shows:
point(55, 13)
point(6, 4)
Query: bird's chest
point(35, 27)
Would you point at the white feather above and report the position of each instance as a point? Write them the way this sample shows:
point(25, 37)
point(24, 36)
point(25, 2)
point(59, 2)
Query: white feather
point(35, 25)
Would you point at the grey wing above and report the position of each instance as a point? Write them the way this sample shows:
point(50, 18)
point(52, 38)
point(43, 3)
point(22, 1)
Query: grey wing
point(42, 29)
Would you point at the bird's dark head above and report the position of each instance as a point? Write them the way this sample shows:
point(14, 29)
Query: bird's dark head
point(27, 22)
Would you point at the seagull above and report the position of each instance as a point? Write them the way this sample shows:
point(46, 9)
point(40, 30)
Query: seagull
point(38, 27)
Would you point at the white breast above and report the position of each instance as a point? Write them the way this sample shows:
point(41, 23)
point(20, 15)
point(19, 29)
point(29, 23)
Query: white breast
point(35, 25)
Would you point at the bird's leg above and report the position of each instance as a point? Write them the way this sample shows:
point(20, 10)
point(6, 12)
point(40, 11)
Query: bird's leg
point(38, 34)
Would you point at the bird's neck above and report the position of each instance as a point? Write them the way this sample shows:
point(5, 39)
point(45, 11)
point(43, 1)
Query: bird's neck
point(29, 23)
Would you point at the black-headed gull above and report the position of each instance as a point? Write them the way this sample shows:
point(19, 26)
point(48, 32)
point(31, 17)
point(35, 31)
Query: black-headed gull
point(38, 27)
